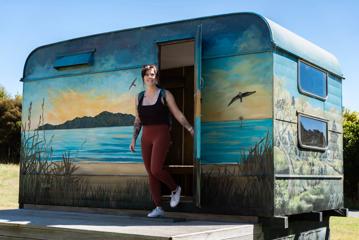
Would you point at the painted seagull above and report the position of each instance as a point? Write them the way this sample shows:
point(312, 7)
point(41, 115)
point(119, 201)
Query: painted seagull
point(133, 84)
point(240, 95)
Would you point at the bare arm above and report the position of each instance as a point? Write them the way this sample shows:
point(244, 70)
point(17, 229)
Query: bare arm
point(137, 124)
point(176, 112)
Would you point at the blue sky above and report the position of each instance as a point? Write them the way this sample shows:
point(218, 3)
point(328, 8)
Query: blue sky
point(25, 25)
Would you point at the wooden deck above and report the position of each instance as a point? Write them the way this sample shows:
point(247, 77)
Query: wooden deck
point(51, 224)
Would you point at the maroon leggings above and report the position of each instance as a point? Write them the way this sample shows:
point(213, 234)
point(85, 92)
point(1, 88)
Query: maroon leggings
point(155, 144)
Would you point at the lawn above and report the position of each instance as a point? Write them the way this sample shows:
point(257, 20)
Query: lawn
point(9, 186)
point(341, 228)
point(344, 228)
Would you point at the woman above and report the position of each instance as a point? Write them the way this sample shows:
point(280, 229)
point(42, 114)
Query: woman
point(153, 115)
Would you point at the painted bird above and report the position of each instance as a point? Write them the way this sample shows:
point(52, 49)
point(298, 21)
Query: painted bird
point(240, 95)
point(133, 84)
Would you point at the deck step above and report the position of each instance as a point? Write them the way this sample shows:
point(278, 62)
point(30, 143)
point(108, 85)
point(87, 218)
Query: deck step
point(45, 224)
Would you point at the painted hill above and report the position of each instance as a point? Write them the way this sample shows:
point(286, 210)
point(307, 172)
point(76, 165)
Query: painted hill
point(103, 119)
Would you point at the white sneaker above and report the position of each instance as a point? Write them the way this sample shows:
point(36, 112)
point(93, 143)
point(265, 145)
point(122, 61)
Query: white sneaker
point(158, 211)
point(175, 196)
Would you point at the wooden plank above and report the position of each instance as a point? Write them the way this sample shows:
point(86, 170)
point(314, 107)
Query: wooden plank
point(180, 169)
point(239, 233)
point(143, 213)
point(21, 231)
point(44, 224)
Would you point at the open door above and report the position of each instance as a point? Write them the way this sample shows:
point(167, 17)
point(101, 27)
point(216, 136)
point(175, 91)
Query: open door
point(197, 116)
point(180, 70)
point(176, 67)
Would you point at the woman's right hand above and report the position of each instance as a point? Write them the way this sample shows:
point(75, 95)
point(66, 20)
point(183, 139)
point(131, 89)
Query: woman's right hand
point(132, 146)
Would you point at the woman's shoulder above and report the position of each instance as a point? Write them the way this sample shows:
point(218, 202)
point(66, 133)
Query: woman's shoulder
point(138, 96)
point(166, 91)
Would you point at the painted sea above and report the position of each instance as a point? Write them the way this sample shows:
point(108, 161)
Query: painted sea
point(100, 144)
point(225, 142)
point(222, 142)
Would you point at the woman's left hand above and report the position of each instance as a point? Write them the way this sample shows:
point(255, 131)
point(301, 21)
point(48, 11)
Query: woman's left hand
point(191, 131)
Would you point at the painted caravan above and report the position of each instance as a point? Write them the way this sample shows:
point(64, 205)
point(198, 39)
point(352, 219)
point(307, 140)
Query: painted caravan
point(265, 103)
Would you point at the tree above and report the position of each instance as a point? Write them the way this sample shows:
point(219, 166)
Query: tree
point(351, 154)
point(10, 127)
point(3, 93)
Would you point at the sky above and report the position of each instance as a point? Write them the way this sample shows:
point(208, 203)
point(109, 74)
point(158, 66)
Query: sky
point(26, 25)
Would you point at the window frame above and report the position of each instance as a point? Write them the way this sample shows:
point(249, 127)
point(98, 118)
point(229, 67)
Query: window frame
point(301, 90)
point(304, 146)
point(59, 65)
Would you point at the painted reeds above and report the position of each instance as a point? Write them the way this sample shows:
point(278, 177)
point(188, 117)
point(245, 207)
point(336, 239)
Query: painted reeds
point(44, 181)
point(246, 187)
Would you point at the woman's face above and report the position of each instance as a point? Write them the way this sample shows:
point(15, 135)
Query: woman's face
point(150, 77)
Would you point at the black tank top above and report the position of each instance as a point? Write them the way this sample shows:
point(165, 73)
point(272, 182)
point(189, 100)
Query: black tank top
point(157, 113)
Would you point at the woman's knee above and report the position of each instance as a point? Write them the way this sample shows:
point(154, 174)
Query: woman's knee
point(156, 170)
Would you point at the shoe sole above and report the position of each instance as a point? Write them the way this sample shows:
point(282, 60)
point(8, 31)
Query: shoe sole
point(156, 216)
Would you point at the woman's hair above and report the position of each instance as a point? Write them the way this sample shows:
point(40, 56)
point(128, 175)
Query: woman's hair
point(148, 67)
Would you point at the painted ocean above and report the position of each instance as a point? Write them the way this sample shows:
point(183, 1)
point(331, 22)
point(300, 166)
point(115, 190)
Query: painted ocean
point(225, 142)
point(221, 141)
point(101, 144)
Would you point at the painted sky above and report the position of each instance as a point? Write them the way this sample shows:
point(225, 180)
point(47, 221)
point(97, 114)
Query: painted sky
point(226, 77)
point(70, 97)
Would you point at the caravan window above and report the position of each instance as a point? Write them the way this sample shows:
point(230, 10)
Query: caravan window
point(74, 60)
point(312, 132)
point(312, 81)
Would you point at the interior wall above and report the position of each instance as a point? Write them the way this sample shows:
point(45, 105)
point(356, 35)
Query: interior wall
point(178, 54)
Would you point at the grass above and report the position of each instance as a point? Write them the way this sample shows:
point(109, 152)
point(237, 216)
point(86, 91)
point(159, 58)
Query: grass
point(344, 228)
point(9, 186)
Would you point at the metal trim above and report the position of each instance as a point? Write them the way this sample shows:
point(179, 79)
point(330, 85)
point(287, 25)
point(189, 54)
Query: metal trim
point(299, 114)
point(301, 90)
point(289, 176)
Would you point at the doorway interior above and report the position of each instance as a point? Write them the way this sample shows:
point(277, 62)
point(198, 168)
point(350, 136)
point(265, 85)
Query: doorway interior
point(176, 68)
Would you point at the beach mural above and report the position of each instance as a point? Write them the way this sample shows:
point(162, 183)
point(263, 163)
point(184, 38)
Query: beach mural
point(237, 106)
point(88, 112)
point(237, 134)
point(78, 127)
point(86, 122)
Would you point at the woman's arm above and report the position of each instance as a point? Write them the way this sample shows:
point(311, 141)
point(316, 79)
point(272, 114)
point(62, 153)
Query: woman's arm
point(176, 112)
point(137, 124)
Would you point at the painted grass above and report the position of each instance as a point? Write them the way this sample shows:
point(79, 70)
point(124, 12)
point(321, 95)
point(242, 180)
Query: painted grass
point(344, 228)
point(9, 186)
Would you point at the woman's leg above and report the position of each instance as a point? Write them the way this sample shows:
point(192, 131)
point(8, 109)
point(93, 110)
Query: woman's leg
point(146, 146)
point(159, 151)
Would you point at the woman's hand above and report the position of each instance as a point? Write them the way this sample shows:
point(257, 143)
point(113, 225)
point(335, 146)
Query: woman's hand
point(191, 131)
point(132, 145)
